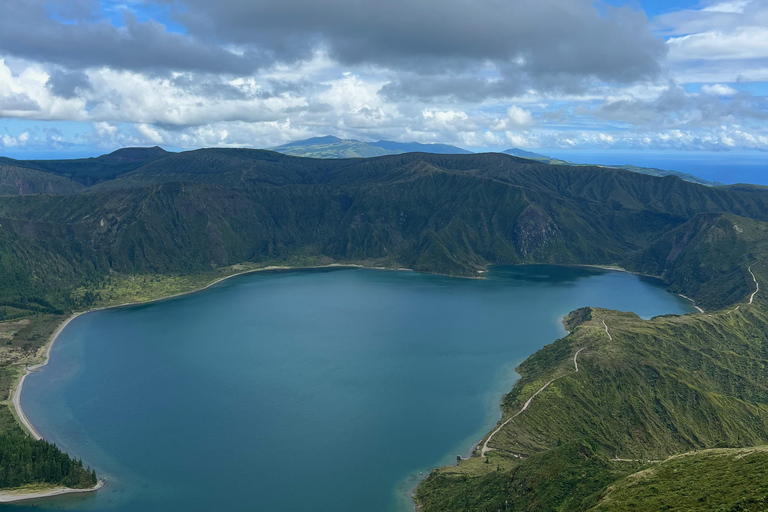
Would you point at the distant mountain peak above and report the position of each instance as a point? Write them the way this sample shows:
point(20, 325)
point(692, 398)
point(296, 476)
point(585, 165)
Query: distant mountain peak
point(334, 147)
point(312, 141)
point(137, 153)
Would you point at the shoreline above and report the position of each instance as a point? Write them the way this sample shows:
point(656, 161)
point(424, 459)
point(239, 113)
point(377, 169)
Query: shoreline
point(27, 424)
point(23, 495)
point(10, 496)
point(16, 395)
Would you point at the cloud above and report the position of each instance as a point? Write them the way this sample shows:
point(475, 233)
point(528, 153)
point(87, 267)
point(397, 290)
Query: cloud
point(519, 117)
point(744, 43)
point(674, 108)
point(721, 42)
point(541, 36)
point(27, 30)
point(732, 6)
point(10, 142)
point(545, 43)
point(18, 102)
point(482, 73)
point(718, 90)
point(66, 84)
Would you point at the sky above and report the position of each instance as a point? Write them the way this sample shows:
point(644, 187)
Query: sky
point(82, 77)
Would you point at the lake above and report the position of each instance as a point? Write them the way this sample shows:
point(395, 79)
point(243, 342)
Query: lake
point(307, 390)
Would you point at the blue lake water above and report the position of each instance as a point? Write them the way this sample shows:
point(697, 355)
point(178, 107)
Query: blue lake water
point(314, 390)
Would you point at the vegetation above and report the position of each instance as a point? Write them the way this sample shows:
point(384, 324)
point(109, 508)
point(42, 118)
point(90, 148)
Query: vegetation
point(152, 224)
point(726, 480)
point(22, 181)
point(24, 460)
point(334, 147)
point(653, 389)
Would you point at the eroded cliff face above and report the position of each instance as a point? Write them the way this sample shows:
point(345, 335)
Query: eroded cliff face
point(534, 232)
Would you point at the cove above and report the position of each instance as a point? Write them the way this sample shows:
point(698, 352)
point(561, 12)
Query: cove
point(307, 390)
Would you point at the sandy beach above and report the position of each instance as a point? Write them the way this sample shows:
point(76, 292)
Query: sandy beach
point(23, 494)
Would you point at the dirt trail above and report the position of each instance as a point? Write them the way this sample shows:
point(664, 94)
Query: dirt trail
point(606, 331)
point(485, 449)
point(757, 286)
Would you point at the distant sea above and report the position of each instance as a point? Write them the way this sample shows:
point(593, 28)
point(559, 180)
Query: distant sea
point(724, 167)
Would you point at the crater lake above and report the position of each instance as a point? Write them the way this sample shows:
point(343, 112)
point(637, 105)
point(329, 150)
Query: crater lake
point(307, 390)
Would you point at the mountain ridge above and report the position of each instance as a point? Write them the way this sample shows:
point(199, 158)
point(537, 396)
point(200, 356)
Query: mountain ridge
point(333, 147)
point(179, 221)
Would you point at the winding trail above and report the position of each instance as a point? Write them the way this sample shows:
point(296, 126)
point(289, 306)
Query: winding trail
point(757, 285)
point(606, 331)
point(751, 297)
point(693, 303)
point(485, 447)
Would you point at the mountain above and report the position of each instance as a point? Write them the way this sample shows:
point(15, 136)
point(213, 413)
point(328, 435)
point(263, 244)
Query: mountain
point(22, 181)
point(452, 214)
point(333, 147)
point(155, 223)
point(416, 147)
point(89, 171)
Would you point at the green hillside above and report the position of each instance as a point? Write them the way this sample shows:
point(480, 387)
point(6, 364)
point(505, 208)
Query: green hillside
point(152, 224)
point(22, 181)
point(451, 214)
point(645, 391)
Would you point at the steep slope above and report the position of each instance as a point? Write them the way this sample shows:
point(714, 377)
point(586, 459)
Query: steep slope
point(21, 181)
point(727, 480)
point(649, 390)
point(645, 390)
point(450, 214)
point(698, 257)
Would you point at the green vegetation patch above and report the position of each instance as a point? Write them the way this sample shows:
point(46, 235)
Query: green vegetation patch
point(726, 480)
point(24, 460)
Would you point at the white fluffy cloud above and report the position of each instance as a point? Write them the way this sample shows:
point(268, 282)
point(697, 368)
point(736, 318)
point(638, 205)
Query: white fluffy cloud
point(718, 90)
point(10, 142)
point(481, 103)
point(743, 43)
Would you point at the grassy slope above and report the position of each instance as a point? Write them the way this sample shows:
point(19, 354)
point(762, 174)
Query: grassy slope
point(726, 480)
point(660, 387)
point(21, 181)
